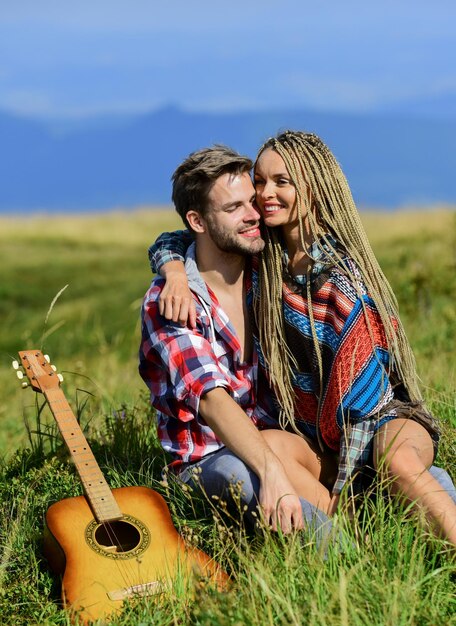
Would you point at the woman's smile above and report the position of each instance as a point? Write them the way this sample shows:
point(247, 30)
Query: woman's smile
point(272, 207)
point(275, 193)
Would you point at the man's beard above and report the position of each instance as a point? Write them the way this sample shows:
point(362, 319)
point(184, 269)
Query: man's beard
point(232, 242)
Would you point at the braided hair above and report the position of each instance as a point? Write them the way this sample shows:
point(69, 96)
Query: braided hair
point(323, 196)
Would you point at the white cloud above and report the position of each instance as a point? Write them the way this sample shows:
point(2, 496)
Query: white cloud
point(29, 102)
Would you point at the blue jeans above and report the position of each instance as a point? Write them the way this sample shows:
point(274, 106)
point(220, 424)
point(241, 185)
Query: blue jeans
point(445, 481)
point(219, 473)
point(224, 475)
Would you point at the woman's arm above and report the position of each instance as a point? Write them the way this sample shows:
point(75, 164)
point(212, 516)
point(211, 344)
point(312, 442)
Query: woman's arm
point(167, 257)
point(169, 246)
point(176, 301)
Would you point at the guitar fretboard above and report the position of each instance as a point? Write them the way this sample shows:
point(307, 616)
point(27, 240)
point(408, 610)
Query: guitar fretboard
point(98, 492)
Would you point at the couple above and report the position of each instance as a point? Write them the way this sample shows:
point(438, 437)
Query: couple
point(285, 368)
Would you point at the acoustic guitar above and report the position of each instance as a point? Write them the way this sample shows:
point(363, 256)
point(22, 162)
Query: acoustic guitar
point(109, 545)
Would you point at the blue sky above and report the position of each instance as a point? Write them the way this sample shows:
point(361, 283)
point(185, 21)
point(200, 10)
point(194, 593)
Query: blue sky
point(79, 58)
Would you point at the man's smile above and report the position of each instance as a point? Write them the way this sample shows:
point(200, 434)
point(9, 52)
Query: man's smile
point(254, 231)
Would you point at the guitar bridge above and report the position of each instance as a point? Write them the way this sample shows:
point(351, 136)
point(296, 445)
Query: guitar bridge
point(145, 589)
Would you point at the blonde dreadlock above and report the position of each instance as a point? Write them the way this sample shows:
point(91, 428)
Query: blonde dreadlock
point(324, 197)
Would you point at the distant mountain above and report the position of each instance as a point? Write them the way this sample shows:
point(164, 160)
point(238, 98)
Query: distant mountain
point(389, 159)
point(436, 106)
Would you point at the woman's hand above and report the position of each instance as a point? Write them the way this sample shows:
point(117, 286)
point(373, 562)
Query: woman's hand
point(176, 301)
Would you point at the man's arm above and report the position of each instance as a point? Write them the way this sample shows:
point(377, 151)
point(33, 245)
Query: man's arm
point(279, 501)
point(177, 358)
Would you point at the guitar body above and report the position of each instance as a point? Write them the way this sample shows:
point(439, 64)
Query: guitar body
point(103, 564)
point(109, 545)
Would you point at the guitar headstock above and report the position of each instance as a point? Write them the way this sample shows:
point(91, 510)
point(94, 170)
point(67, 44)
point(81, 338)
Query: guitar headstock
point(41, 375)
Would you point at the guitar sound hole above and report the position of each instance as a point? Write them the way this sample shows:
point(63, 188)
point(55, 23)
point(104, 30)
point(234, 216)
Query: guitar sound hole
point(117, 537)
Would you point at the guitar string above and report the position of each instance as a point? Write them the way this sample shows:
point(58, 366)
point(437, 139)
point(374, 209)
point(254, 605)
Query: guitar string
point(129, 573)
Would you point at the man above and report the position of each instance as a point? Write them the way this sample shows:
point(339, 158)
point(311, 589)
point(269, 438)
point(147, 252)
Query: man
point(203, 377)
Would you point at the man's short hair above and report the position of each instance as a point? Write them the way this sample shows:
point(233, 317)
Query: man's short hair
point(195, 177)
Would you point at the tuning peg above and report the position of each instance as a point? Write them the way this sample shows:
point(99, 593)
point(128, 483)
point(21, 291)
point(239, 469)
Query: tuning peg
point(47, 358)
point(15, 365)
point(20, 374)
point(60, 377)
point(24, 385)
point(53, 367)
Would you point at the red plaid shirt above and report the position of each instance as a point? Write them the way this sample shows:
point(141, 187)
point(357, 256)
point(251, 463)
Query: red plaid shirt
point(180, 364)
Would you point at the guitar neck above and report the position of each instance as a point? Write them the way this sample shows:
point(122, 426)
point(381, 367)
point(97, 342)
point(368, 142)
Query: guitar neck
point(98, 492)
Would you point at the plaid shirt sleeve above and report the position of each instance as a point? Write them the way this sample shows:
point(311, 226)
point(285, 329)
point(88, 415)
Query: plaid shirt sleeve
point(177, 363)
point(355, 449)
point(169, 247)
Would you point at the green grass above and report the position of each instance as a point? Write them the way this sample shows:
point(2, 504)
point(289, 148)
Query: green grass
point(93, 329)
point(392, 572)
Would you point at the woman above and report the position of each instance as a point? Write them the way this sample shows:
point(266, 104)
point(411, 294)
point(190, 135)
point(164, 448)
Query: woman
point(330, 337)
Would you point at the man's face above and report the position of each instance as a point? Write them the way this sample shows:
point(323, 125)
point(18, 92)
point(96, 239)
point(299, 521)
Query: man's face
point(232, 219)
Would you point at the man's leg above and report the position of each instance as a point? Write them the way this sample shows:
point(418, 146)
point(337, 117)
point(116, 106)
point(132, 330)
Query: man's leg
point(403, 449)
point(228, 478)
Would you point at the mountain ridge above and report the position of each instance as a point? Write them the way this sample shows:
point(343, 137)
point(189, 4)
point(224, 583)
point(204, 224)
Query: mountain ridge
point(390, 159)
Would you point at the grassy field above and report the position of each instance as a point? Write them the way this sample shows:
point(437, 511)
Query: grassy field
point(97, 265)
point(92, 330)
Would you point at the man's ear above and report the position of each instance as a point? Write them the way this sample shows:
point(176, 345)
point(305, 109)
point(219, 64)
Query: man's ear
point(196, 222)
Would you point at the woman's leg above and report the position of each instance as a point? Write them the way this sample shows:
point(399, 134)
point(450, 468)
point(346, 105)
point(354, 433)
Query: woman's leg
point(403, 449)
point(302, 465)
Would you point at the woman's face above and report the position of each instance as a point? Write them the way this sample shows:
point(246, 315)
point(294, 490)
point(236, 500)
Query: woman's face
point(275, 193)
